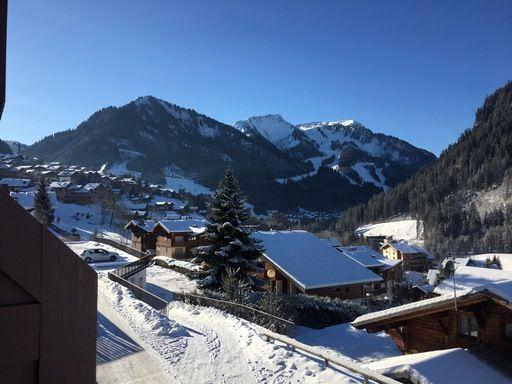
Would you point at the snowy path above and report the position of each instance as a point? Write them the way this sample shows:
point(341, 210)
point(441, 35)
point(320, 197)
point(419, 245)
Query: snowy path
point(204, 345)
point(212, 355)
point(121, 356)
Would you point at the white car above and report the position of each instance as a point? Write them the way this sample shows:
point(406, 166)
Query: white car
point(98, 254)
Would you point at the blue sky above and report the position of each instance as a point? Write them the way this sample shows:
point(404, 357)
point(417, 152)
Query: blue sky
point(413, 69)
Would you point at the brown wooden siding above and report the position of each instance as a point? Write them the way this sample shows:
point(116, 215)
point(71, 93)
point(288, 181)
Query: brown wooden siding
point(441, 330)
point(48, 304)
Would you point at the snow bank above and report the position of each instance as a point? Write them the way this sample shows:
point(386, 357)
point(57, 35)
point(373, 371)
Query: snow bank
point(164, 335)
point(177, 263)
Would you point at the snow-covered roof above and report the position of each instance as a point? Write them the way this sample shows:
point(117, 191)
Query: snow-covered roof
point(91, 186)
point(333, 242)
point(146, 225)
point(470, 277)
point(311, 262)
point(432, 276)
point(404, 247)
point(12, 182)
point(59, 184)
point(503, 290)
point(441, 367)
point(414, 277)
point(183, 225)
point(364, 255)
point(400, 229)
point(158, 200)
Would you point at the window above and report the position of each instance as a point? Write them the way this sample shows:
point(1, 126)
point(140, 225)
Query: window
point(468, 326)
point(507, 330)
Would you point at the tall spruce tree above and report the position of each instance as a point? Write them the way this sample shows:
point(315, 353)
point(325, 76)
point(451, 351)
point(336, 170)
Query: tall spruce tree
point(231, 246)
point(43, 209)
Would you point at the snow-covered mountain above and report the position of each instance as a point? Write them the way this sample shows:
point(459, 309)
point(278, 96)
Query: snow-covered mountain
point(279, 165)
point(282, 134)
point(346, 147)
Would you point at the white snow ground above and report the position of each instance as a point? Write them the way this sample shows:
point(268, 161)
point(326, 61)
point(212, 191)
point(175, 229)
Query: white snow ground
point(162, 282)
point(407, 230)
point(188, 185)
point(206, 345)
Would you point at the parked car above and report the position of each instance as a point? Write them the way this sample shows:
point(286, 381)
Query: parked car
point(98, 254)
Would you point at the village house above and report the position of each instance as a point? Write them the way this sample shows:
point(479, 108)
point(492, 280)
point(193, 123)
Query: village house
point(413, 258)
point(142, 236)
point(177, 238)
point(480, 317)
point(7, 170)
point(299, 262)
point(15, 185)
point(388, 269)
point(46, 176)
point(77, 194)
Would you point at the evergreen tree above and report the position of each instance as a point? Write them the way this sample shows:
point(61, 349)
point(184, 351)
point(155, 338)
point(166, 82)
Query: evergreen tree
point(231, 246)
point(43, 209)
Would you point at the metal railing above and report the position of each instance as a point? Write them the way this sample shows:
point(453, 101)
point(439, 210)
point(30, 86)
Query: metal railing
point(140, 293)
point(132, 268)
point(327, 359)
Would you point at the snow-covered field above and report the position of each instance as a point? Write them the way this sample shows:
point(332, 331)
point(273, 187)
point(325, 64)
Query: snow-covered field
point(408, 230)
point(120, 169)
point(162, 281)
point(180, 183)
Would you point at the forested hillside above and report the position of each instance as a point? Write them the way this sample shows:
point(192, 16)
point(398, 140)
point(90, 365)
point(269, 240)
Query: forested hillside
point(4, 147)
point(448, 194)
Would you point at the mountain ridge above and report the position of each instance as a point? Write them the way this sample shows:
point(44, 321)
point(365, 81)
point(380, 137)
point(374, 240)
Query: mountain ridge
point(151, 136)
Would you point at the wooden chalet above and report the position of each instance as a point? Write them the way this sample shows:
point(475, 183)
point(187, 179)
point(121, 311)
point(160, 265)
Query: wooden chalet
point(482, 317)
point(177, 238)
point(390, 270)
point(299, 262)
point(413, 257)
point(77, 194)
point(142, 236)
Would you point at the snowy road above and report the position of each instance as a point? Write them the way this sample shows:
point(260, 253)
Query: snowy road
point(212, 355)
point(121, 357)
